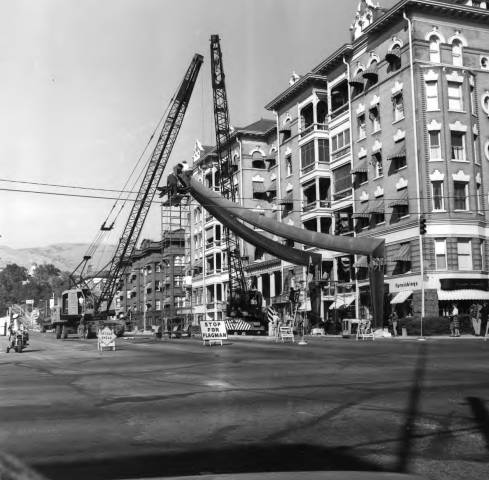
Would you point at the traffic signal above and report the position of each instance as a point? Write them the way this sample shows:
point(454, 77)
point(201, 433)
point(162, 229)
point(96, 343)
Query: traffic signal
point(422, 225)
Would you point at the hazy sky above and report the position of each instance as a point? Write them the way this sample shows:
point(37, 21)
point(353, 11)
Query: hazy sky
point(84, 82)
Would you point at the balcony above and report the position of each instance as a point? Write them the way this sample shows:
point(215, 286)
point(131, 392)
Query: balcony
point(315, 205)
point(339, 111)
point(314, 127)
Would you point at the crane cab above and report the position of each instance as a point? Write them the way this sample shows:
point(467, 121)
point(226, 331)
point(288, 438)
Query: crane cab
point(76, 302)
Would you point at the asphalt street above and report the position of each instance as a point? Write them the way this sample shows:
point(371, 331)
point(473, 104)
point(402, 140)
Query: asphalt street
point(175, 407)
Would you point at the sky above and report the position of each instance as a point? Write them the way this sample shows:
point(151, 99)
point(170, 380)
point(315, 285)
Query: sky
point(84, 83)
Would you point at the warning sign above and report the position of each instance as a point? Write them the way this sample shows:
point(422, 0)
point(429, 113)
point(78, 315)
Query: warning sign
point(106, 339)
point(213, 331)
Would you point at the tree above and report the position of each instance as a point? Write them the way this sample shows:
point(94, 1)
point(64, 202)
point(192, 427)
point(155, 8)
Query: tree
point(16, 286)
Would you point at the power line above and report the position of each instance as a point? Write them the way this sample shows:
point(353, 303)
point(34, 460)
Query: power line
point(260, 207)
point(78, 187)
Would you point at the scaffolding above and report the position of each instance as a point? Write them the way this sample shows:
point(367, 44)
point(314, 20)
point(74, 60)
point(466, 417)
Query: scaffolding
point(177, 306)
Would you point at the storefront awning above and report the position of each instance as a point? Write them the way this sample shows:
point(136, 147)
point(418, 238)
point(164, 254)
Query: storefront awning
point(465, 294)
point(399, 153)
point(402, 201)
point(403, 254)
point(401, 297)
point(342, 302)
point(361, 167)
point(258, 187)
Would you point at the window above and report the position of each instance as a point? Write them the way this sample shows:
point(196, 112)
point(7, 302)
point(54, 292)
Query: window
point(393, 57)
point(158, 305)
point(398, 212)
point(464, 254)
point(457, 53)
point(377, 163)
point(485, 102)
point(323, 150)
point(458, 146)
point(340, 144)
point(441, 253)
point(374, 115)
point(435, 147)
point(362, 126)
point(479, 197)
point(288, 164)
point(437, 195)
point(472, 98)
point(460, 195)
point(432, 95)
point(259, 253)
point(475, 144)
point(434, 49)
point(398, 106)
point(455, 96)
point(307, 154)
point(485, 63)
point(342, 181)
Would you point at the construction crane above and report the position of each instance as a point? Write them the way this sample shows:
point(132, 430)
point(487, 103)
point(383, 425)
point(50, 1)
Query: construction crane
point(237, 288)
point(73, 309)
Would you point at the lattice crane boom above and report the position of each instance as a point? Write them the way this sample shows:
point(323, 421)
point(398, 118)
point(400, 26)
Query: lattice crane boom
point(237, 280)
point(151, 179)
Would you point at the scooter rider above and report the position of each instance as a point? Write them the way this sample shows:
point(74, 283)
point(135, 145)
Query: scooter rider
point(16, 326)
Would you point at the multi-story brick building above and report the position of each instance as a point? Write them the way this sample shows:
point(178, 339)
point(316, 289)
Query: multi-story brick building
point(154, 288)
point(389, 130)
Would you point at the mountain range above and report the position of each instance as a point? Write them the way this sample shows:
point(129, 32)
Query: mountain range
point(65, 256)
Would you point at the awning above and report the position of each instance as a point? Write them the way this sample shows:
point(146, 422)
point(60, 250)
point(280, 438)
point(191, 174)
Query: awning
point(377, 207)
point(362, 213)
point(362, 262)
point(449, 295)
point(284, 128)
point(403, 254)
point(361, 167)
point(401, 297)
point(357, 81)
point(342, 302)
point(400, 153)
point(371, 73)
point(272, 187)
point(393, 55)
point(287, 200)
point(402, 201)
point(258, 187)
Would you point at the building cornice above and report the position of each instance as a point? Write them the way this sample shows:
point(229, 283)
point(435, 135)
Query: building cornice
point(308, 80)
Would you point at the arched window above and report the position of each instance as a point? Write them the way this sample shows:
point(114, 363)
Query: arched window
point(457, 53)
point(435, 49)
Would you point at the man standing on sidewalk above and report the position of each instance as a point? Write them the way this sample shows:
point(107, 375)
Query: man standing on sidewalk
point(476, 317)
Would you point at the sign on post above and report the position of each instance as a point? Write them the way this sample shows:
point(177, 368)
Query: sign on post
point(213, 331)
point(106, 339)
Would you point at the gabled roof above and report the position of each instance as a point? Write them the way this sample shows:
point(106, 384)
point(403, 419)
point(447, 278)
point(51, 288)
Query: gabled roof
point(262, 126)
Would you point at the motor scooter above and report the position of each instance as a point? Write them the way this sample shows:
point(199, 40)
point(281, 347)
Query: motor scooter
point(17, 342)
